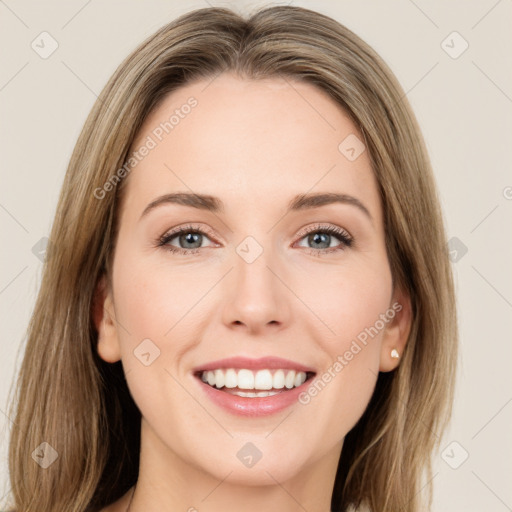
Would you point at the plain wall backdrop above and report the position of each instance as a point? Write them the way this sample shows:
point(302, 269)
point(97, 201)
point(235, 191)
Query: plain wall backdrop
point(452, 59)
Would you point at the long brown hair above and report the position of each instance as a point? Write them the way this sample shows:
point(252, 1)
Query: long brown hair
point(68, 397)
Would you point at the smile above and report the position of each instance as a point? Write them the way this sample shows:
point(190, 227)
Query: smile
point(253, 387)
point(266, 382)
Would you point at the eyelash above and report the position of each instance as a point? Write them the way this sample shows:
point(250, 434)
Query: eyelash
point(342, 235)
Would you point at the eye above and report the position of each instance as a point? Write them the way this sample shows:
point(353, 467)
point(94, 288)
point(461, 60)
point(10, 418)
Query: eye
point(191, 237)
point(320, 237)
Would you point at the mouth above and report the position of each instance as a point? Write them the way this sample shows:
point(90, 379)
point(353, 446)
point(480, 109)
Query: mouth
point(253, 387)
point(248, 383)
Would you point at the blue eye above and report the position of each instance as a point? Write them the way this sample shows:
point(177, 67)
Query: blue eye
point(321, 235)
point(185, 235)
point(192, 237)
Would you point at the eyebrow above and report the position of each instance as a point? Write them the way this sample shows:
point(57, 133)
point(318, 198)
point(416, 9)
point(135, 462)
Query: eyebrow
point(214, 204)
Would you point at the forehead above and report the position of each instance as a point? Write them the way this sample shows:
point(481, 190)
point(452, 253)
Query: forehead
point(250, 142)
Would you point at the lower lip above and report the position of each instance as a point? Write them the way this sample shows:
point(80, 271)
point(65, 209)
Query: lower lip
point(258, 406)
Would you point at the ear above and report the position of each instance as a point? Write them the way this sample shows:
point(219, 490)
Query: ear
point(104, 320)
point(396, 331)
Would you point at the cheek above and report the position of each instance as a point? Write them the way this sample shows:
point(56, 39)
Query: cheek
point(152, 302)
point(161, 309)
point(353, 304)
point(346, 300)
point(151, 298)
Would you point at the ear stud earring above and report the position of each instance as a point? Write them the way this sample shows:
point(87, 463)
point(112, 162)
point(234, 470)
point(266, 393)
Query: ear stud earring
point(395, 354)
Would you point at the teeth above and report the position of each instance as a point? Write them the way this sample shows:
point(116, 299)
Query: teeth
point(298, 380)
point(219, 378)
point(250, 394)
point(245, 379)
point(263, 380)
point(230, 380)
point(289, 380)
point(278, 379)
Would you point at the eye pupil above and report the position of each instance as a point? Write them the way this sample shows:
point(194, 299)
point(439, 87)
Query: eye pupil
point(190, 238)
point(317, 238)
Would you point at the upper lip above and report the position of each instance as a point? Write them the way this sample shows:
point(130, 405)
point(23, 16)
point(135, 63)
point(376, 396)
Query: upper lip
point(248, 363)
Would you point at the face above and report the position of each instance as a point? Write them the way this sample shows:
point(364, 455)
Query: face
point(261, 274)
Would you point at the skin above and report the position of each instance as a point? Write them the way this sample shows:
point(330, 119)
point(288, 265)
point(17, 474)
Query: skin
point(255, 145)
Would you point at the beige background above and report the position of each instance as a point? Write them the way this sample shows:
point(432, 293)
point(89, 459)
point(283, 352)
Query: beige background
point(464, 107)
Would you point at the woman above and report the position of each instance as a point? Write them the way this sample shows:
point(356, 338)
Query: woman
point(253, 369)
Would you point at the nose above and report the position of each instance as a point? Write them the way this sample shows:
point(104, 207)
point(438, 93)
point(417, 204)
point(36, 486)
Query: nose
point(256, 297)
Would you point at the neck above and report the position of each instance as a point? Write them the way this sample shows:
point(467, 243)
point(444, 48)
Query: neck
point(168, 483)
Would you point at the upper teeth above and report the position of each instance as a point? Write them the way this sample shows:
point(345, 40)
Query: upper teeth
point(247, 379)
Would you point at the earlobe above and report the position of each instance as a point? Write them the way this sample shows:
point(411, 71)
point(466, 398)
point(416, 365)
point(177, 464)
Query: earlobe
point(396, 332)
point(104, 320)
